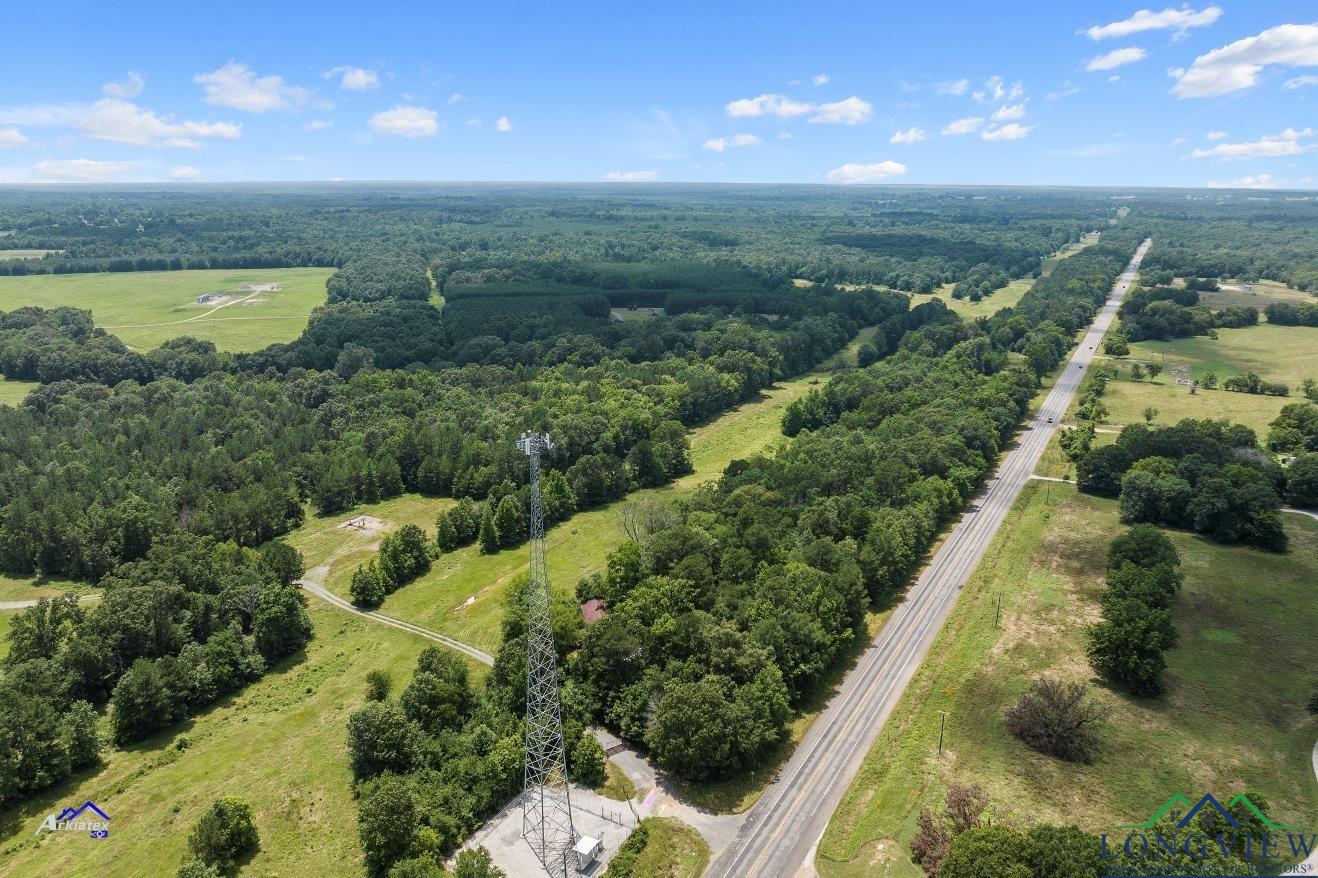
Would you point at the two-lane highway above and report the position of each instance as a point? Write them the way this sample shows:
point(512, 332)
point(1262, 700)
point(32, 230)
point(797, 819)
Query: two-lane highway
point(791, 815)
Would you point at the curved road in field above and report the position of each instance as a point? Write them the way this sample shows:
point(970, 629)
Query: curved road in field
point(785, 824)
point(319, 590)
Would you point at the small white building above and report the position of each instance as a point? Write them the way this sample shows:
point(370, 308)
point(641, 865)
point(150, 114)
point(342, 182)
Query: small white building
point(587, 850)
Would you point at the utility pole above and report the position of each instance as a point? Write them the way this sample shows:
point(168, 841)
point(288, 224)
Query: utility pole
point(546, 805)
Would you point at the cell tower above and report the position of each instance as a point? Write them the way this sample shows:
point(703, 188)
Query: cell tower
point(546, 807)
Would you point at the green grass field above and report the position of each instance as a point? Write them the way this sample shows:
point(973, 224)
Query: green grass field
point(673, 850)
point(1263, 294)
point(146, 308)
point(1280, 353)
point(1233, 718)
point(25, 254)
point(280, 743)
point(14, 392)
point(20, 589)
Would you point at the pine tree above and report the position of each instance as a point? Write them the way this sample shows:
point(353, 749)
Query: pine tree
point(489, 535)
point(446, 535)
point(507, 523)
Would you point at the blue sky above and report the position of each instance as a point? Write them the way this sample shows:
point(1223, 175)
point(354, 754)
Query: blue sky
point(929, 92)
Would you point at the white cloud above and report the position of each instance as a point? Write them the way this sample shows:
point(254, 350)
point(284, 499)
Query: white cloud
point(1010, 131)
point(11, 137)
point(784, 135)
point(1268, 146)
point(968, 125)
point(1178, 20)
point(821, 79)
point(768, 105)
point(1115, 58)
point(503, 123)
point(1300, 81)
point(184, 172)
point(631, 176)
point(997, 88)
point(1217, 135)
point(1262, 181)
point(910, 135)
point(952, 87)
point(354, 78)
point(1063, 93)
point(406, 121)
point(1009, 112)
point(235, 85)
point(318, 124)
point(719, 144)
point(80, 170)
point(872, 173)
point(129, 87)
point(1237, 65)
point(850, 111)
point(120, 121)
point(456, 97)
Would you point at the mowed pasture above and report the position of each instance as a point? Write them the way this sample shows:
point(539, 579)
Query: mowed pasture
point(1233, 717)
point(14, 392)
point(147, 308)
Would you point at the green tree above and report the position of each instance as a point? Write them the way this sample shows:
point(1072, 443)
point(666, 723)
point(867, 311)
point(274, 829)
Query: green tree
point(280, 625)
point(587, 762)
point(1063, 852)
point(386, 820)
point(489, 535)
point(1149, 414)
point(507, 522)
point(988, 852)
point(1154, 370)
point(79, 735)
point(1116, 346)
point(644, 465)
point(378, 684)
point(39, 631)
point(197, 869)
point(476, 864)
point(367, 587)
point(1209, 381)
point(141, 703)
point(1136, 372)
point(556, 496)
point(1302, 481)
point(446, 535)
point(381, 737)
point(224, 833)
point(279, 562)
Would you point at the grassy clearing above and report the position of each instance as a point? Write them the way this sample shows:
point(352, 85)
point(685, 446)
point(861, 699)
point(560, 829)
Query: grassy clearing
point(14, 392)
point(1223, 726)
point(673, 850)
point(1263, 294)
point(146, 308)
point(280, 743)
point(14, 588)
point(25, 254)
point(321, 543)
point(617, 785)
point(1280, 353)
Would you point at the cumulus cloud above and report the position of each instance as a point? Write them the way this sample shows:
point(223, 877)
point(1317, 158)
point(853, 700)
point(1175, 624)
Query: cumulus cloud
point(120, 121)
point(968, 125)
point(871, 173)
point(952, 87)
point(129, 87)
point(996, 87)
point(354, 78)
point(1177, 20)
point(719, 144)
point(1238, 65)
point(81, 170)
point(503, 123)
point(631, 176)
point(405, 121)
point(768, 105)
point(910, 135)
point(184, 172)
point(821, 79)
point(1009, 112)
point(850, 111)
point(1268, 146)
point(1010, 131)
point(1262, 181)
point(11, 138)
point(237, 86)
point(1115, 58)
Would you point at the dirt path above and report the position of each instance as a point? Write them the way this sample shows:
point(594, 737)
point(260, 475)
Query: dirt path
point(219, 307)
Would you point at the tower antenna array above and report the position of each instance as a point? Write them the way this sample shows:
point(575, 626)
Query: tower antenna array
point(546, 806)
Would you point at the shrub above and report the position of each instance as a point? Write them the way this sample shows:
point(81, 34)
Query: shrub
point(224, 833)
point(1058, 719)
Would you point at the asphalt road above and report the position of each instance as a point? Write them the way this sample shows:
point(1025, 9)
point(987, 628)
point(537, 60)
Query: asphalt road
point(783, 827)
